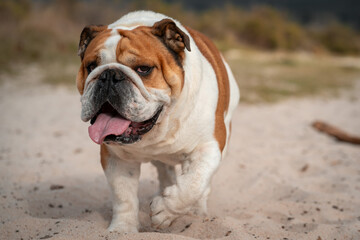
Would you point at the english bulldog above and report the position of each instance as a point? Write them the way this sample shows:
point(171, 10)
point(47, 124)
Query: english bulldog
point(155, 91)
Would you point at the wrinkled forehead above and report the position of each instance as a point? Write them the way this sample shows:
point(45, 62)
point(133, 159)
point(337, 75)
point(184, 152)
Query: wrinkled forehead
point(108, 52)
point(137, 37)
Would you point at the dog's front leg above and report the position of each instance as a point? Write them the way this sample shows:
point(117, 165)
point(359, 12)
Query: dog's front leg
point(123, 178)
point(191, 186)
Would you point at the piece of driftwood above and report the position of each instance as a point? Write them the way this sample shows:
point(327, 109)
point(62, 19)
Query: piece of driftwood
point(339, 134)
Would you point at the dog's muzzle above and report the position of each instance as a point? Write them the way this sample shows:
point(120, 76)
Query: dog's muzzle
point(120, 112)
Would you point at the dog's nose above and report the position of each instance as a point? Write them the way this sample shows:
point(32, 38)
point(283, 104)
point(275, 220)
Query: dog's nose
point(112, 75)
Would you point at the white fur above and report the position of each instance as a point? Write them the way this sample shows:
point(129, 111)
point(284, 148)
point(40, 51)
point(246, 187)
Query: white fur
point(123, 178)
point(183, 135)
point(108, 53)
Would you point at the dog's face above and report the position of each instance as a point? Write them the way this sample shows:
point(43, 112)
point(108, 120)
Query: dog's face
point(128, 77)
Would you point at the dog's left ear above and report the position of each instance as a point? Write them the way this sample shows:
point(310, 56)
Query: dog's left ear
point(172, 36)
point(87, 34)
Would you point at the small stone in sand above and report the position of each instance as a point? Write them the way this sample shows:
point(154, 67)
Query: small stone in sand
point(186, 227)
point(77, 150)
point(46, 237)
point(304, 168)
point(58, 134)
point(56, 187)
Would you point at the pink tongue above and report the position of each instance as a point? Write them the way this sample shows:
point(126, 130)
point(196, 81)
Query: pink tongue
point(105, 125)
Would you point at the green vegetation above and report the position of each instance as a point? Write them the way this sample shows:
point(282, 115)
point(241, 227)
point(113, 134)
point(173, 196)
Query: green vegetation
point(338, 38)
point(37, 32)
point(48, 33)
point(269, 77)
point(29, 34)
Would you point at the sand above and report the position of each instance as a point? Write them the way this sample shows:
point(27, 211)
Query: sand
point(280, 179)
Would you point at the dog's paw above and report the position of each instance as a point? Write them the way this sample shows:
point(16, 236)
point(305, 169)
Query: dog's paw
point(122, 228)
point(200, 207)
point(161, 216)
point(199, 210)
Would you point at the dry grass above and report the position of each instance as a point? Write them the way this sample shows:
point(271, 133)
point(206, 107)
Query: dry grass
point(47, 35)
point(269, 77)
point(265, 76)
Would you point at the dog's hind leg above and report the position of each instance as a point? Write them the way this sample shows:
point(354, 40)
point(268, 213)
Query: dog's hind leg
point(191, 187)
point(200, 207)
point(166, 174)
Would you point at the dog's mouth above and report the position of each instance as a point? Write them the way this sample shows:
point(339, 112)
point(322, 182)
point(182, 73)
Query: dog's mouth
point(108, 126)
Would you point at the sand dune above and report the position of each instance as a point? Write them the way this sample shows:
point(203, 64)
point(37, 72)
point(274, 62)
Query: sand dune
point(280, 179)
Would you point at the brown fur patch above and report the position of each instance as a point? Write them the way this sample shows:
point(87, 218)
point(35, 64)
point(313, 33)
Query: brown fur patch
point(80, 79)
point(91, 55)
point(212, 54)
point(104, 154)
point(139, 47)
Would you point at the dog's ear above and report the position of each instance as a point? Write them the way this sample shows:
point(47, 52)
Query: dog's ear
point(172, 36)
point(87, 34)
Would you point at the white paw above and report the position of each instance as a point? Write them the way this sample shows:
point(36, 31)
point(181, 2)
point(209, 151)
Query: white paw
point(199, 210)
point(161, 216)
point(121, 227)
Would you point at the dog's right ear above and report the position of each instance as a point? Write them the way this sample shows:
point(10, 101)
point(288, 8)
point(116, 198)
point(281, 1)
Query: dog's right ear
point(87, 34)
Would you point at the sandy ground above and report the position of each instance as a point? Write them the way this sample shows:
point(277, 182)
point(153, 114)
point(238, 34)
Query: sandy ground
point(280, 179)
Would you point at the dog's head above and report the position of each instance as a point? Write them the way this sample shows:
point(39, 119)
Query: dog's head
point(128, 76)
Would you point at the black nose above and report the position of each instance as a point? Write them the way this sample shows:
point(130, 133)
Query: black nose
point(112, 75)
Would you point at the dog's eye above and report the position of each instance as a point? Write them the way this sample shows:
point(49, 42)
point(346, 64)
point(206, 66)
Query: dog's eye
point(144, 70)
point(91, 66)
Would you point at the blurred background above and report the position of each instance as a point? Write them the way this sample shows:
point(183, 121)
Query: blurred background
point(281, 179)
point(276, 48)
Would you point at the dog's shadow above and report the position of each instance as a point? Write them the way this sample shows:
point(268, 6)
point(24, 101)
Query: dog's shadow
point(85, 203)
point(83, 199)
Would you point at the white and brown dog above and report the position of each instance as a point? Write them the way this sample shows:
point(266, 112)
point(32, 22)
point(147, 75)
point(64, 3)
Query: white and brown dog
point(156, 91)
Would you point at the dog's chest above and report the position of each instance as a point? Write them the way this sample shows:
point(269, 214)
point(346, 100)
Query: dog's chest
point(144, 155)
